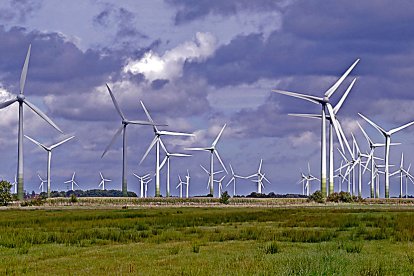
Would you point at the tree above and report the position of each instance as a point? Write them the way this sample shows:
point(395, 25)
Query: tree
point(224, 199)
point(5, 194)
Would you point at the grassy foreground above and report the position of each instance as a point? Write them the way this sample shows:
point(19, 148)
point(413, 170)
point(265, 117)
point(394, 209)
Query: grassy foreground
point(208, 241)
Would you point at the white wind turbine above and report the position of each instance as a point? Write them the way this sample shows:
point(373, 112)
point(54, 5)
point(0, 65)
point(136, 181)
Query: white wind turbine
point(387, 136)
point(122, 129)
point(167, 157)
point(334, 123)
point(187, 184)
point(213, 151)
point(403, 173)
point(156, 142)
point(260, 177)
point(142, 180)
point(306, 180)
point(220, 186)
point(341, 177)
point(180, 184)
point(42, 181)
point(210, 176)
point(233, 179)
point(371, 157)
point(21, 99)
point(324, 102)
point(146, 186)
point(72, 181)
point(103, 180)
point(49, 156)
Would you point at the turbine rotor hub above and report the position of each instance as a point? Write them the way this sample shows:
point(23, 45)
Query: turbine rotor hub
point(20, 98)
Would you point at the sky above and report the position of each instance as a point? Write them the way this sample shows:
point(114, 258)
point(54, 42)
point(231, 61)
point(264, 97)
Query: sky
point(198, 65)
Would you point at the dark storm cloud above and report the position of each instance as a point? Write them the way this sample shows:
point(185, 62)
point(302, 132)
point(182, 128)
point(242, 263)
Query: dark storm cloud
point(18, 10)
point(57, 66)
point(191, 10)
point(124, 20)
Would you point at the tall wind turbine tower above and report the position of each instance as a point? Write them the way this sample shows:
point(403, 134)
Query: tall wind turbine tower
point(21, 99)
point(387, 136)
point(122, 129)
point(325, 103)
point(213, 151)
point(49, 156)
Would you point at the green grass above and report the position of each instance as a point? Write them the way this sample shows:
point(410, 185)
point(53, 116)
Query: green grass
point(208, 241)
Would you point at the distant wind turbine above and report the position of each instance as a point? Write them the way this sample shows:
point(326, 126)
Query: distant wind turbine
point(122, 129)
point(387, 136)
point(156, 142)
point(103, 180)
point(260, 177)
point(211, 176)
point(233, 179)
point(42, 181)
point(21, 99)
point(72, 181)
point(49, 156)
point(213, 151)
point(142, 180)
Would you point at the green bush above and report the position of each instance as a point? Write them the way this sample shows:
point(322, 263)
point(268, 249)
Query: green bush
point(73, 198)
point(5, 194)
point(224, 199)
point(317, 197)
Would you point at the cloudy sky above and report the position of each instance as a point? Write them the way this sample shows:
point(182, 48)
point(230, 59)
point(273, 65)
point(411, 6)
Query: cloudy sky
point(198, 65)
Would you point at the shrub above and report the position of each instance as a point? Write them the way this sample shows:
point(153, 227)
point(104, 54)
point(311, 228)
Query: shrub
point(272, 248)
point(317, 197)
point(5, 195)
point(224, 199)
point(73, 198)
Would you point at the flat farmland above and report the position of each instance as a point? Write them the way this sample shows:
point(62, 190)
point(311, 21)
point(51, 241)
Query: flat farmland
point(291, 240)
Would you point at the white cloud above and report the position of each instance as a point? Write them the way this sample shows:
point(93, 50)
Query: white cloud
point(170, 64)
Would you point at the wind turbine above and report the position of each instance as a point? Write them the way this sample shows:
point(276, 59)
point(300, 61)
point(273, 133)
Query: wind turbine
point(334, 123)
point(211, 176)
point(15, 184)
point(72, 181)
point(403, 172)
point(146, 186)
point(21, 99)
point(324, 102)
point(49, 156)
point(167, 159)
point(103, 180)
point(213, 151)
point(387, 136)
point(307, 179)
point(180, 184)
point(42, 181)
point(260, 177)
point(220, 186)
point(187, 184)
point(156, 142)
point(122, 129)
point(233, 179)
point(142, 180)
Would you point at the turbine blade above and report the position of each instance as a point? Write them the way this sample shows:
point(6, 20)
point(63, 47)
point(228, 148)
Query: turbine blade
point(115, 103)
point(61, 142)
point(344, 139)
point(313, 99)
point(260, 165)
point(24, 70)
point(341, 101)
point(41, 114)
point(334, 124)
point(180, 155)
point(218, 136)
point(365, 135)
point(149, 149)
point(198, 149)
point(232, 179)
point(163, 162)
point(36, 142)
point(331, 90)
point(137, 122)
point(312, 116)
point(148, 115)
point(221, 162)
point(163, 147)
point(377, 127)
point(394, 130)
point(171, 133)
point(7, 103)
point(207, 172)
point(112, 140)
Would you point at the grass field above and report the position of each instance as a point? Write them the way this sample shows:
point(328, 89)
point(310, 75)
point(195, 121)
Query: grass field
point(356, 240)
